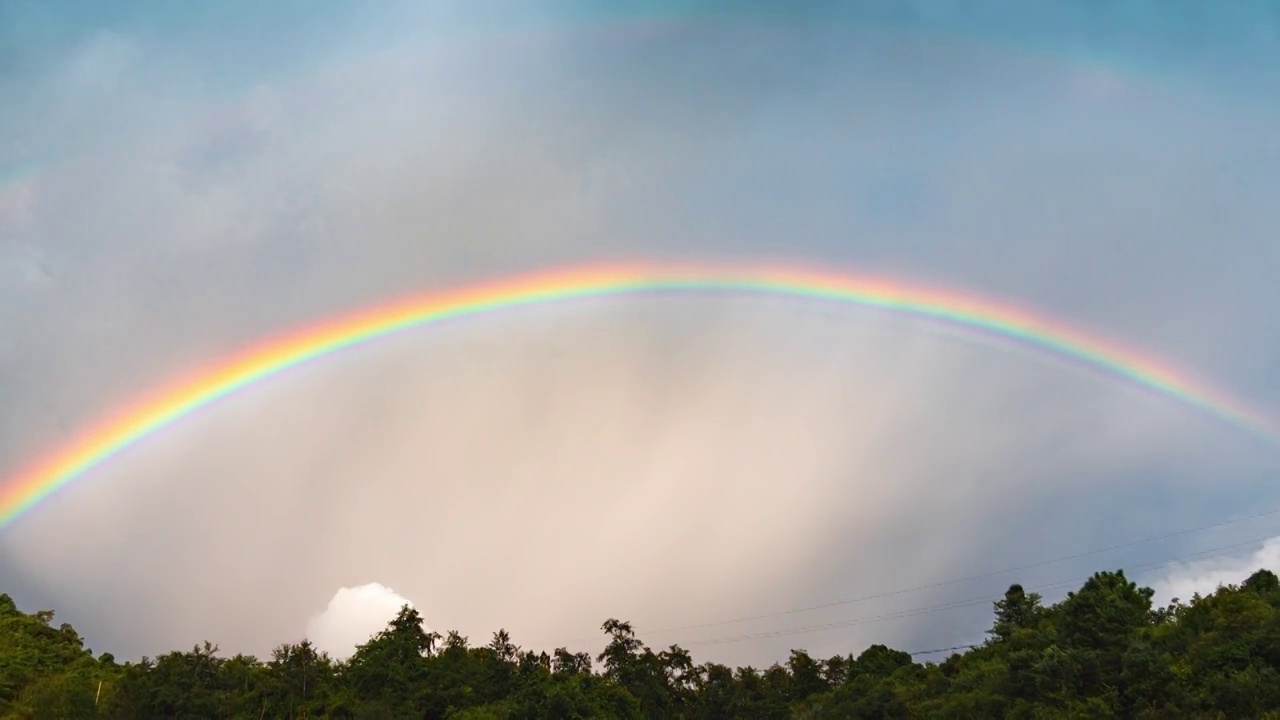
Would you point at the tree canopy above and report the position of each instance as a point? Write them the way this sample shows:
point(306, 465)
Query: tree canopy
point(1103, 651)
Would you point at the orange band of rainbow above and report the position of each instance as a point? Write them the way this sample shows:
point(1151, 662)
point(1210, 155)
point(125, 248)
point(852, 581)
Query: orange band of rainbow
point(176, 401)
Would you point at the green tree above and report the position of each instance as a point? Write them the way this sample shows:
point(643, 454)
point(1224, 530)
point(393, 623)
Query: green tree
point(1017, 610)
point(388, 673)
point(1100, 652)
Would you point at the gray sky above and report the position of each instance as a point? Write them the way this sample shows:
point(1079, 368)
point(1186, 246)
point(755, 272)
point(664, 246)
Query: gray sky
point(177, 193)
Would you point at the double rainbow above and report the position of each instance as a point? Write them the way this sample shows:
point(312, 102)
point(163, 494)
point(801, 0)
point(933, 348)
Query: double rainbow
point(272, 357)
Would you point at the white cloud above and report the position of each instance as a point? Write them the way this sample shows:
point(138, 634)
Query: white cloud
point(1206, 576)
point(354, 615)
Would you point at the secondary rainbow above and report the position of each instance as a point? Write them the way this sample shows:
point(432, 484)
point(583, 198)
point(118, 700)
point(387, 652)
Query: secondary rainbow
point(179, 399)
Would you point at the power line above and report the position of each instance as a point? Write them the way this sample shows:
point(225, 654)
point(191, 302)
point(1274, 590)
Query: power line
point(969, 602)
point(952, 605)
point(941, 650)
point(955, 581)
point(944, 583)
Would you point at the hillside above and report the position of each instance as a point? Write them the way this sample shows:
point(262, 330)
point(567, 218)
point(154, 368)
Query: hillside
point(1103, 651)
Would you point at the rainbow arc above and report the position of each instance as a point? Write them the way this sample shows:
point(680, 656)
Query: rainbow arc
point(175, 401)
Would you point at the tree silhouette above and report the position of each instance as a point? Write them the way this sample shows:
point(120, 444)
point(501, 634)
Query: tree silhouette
point(1102, 651)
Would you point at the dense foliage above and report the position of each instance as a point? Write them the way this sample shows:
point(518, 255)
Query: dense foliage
point(1103, 651)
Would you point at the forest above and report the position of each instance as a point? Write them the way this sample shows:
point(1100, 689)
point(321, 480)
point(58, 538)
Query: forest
point(1104, 650)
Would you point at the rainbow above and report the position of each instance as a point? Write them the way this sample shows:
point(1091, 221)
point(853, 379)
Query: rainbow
point(17, 185)
point(190, 394)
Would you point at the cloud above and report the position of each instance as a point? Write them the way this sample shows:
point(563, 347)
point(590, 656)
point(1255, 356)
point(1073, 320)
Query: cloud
point(671, 461)
point(1206, 576)
point(354, 615)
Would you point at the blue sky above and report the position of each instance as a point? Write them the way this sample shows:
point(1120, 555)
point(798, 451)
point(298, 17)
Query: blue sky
point(191, 184)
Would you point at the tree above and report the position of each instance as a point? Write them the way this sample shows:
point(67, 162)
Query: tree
point(807, 676)
point(1262, 582)
point(389, 671)
point(1105, 613)
point(1099, 652)
point(1017, 610)
point(569, 663)
point(301, 681)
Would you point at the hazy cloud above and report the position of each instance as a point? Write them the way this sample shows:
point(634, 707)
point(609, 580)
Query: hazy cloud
point(677, 462)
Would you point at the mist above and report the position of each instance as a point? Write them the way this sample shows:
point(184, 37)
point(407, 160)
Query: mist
point(676, 462)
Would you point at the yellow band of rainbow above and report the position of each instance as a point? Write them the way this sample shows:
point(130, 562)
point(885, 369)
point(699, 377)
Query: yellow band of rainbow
point(178, 400)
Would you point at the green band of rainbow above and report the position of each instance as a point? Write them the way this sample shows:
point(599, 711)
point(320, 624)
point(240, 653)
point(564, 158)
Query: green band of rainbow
point(178, 400)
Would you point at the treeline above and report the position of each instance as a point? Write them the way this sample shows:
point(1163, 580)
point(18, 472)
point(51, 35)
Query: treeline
point(1103, 651)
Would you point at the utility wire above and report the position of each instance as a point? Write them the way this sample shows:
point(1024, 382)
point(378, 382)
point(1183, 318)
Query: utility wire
point(941, 650)
point(955, 581)
point(968, 602)
point(944, 583)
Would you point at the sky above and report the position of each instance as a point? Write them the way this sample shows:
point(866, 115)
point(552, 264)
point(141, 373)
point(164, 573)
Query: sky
point(739, 476)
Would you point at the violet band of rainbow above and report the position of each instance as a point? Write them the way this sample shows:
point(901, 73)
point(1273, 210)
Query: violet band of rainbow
point(240, 371)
